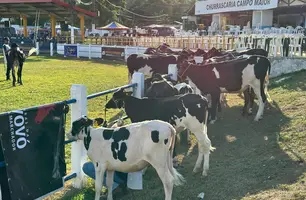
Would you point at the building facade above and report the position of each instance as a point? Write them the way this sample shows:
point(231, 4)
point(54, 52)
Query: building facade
point(260, 13)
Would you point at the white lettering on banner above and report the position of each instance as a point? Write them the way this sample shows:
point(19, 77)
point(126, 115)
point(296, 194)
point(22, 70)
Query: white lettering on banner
point(19, 133)
point(219, 6)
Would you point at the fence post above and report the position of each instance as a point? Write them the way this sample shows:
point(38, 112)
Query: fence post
point(37, 48)
point(138, 91)
point(78, 151)
point(51, 48)
point(89, 51)
point(135, 178)
point(172, 69)
point(78, 50)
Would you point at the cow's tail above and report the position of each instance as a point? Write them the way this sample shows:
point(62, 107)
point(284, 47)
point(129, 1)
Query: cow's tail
point(266, 83)
point(178, 179)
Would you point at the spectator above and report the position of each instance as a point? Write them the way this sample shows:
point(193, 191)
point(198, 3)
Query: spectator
point(6, 49)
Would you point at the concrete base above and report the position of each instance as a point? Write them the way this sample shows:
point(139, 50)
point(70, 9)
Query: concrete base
point(280, 66)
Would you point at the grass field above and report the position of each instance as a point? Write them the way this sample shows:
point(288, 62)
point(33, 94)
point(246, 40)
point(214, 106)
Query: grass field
point(264, 160)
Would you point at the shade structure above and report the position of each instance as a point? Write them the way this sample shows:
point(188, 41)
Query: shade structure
point(113, 26)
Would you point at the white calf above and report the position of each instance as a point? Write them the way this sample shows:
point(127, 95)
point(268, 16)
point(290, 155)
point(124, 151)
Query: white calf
point(129, 148)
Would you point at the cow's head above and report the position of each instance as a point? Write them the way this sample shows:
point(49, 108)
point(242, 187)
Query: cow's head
point(161, 88)
point(80, 127)
point(212, 53)
point(117, 101)
point(200, 52)
point(182, 72)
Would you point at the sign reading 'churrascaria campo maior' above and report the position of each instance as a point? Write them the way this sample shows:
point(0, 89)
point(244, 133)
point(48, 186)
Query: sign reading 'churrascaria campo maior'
point(219, 6)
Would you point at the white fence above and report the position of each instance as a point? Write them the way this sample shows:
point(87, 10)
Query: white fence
point(79, 102)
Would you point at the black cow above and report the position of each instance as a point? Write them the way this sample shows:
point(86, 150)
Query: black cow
point(16, 57)
point(230, 76)
point(182, 111)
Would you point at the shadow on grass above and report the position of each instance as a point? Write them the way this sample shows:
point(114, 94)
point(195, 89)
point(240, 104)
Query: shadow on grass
point(247, 158)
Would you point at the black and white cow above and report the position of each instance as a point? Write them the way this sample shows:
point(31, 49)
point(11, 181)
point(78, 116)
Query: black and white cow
point(182, 111)
point(229, 76)
point(151, 64)
point(162, 86)
point(128, 149)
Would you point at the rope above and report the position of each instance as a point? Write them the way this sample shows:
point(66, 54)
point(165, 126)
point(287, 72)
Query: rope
point(105, 108)
point(181, 76)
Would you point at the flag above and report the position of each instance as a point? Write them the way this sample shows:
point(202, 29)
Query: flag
point(33, 147)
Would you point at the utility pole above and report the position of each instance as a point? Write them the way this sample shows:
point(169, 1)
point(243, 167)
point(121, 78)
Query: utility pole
point(72, 4)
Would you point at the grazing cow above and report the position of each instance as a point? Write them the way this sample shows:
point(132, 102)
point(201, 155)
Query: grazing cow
point(16, 57)
point(129, 148)
point(151, 64)
point(182, 111)
point(229, 76)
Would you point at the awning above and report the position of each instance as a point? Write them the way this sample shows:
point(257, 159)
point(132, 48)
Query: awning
point(113, 26)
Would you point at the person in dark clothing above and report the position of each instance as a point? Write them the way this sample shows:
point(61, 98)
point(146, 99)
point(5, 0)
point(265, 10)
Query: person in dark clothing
point(6, 48)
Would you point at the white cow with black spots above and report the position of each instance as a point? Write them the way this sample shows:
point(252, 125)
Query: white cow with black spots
point(129, 148)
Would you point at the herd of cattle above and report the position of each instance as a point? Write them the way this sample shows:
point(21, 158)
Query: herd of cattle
point(171, 106)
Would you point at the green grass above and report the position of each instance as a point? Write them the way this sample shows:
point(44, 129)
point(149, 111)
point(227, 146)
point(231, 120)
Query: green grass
point(264, 160)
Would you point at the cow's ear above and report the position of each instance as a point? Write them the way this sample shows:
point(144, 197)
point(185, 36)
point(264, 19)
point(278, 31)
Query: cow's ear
point(89, 122)
point(98, 122)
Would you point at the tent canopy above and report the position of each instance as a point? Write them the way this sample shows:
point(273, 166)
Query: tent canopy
point(113, 26)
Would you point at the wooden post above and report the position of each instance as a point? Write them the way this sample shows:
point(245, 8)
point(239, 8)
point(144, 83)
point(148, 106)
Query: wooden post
point(53, 24)
point(82, 26)
point(25, 24)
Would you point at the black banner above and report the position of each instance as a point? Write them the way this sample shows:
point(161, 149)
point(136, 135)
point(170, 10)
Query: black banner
point(113, 53)
point(33, 148)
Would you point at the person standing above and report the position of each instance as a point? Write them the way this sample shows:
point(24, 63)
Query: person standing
point(6, 49)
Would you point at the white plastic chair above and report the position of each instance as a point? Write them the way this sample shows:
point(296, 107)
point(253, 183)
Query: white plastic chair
point(294, 45)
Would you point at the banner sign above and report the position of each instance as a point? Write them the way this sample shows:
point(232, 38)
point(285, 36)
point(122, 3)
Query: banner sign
point(33, 147)
point(219, 6)
point(70, 50)
point(113, 52)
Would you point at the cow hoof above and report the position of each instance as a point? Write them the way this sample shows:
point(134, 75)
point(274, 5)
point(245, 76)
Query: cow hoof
point(257, 119)
point(196, 170)
point(204, 173)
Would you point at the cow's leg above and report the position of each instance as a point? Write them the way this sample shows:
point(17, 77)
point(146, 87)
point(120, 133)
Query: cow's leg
point(109, 183)
point(205, 147)
point(215, 98)
point(246, 95)
point(259, 91)
point(162, 162)
point(14, 77)
point(165, 176)
point(251, 101)
point(99, 179)
point(19, 74)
